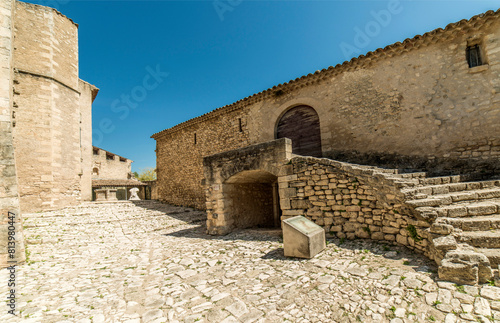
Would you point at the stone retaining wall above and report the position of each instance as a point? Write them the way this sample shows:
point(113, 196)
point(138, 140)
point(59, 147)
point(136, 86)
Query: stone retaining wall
point(350, 201)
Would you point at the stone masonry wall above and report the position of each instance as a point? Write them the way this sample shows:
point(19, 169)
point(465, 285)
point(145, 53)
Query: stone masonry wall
point(349, 201)
point(179, 159)
point(52, 116)
point(87, 95)
point(115, 168)
point(416, 105)
point(46, 43)
point(9, 198)
point(252, 204)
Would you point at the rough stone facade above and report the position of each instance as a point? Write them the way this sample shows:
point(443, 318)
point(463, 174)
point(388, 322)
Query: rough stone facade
point(179, 162)
point(415, 104)
point(106, 165)
point(51, 110)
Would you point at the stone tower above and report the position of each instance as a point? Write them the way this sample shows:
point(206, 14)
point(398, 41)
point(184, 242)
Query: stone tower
point(45, 117)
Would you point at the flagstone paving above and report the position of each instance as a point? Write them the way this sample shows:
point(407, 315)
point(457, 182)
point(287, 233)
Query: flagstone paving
point(150, 262)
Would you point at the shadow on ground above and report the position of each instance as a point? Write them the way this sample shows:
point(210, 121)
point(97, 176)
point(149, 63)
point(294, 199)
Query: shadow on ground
point(197, 230)
point(198, 218)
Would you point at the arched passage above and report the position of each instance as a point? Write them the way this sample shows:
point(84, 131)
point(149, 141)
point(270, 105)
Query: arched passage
point(301, 124)
point(251, 199)
point(242, 188)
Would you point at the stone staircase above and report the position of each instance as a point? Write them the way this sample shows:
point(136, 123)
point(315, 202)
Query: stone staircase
point(458, 216)
point(464, 216)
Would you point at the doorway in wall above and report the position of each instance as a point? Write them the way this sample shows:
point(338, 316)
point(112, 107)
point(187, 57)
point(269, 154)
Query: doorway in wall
point(301, 125)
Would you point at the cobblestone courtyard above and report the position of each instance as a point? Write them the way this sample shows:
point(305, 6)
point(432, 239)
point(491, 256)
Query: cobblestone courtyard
point(154, 263)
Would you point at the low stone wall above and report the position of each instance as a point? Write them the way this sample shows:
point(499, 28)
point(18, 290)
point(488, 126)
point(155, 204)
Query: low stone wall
point(350, 201)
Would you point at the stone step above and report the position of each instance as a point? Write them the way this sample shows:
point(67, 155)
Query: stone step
point(449, 198)
point(481, 239)
point(413, 175)
point(467, 209)
point(453, 179)
point(441, 180)
point(449, 188)
point(492, 254)
point(478, 223)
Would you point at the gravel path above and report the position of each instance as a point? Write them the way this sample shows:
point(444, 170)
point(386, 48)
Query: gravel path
point(152, 262)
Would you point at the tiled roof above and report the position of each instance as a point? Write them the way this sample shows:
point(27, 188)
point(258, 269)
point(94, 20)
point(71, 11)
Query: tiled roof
point(431, 37)
point(116, 182)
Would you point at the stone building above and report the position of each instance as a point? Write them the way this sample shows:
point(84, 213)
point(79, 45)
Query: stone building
point(110, 171)
point(411, 113)
point(51, 110)
point(46, 114)
point(106, 165)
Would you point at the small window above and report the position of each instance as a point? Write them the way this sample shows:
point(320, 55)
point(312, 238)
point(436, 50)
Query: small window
point(195, 138)
point(240, 124)
point(474, 56)
point(95, 171)
point(123, 159)
point(110, 157)
point(96, 151)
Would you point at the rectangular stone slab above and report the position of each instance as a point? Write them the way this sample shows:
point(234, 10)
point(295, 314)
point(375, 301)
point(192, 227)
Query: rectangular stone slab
point(302, 238)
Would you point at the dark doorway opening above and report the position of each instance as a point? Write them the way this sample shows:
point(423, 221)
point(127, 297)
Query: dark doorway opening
point(251, 198)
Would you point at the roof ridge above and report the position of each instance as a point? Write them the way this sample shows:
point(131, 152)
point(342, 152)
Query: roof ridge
point(353, 63)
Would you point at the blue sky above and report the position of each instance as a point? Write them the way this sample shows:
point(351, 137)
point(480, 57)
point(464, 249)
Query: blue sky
point(159, 63)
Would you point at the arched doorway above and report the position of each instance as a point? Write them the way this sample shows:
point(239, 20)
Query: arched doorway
point(301, 124)
point(251, 199)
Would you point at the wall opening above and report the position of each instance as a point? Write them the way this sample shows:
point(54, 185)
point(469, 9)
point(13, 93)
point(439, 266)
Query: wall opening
point(251, 200)
point(473, 55)
point(301, 124)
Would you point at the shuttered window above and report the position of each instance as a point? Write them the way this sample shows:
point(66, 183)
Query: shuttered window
point(474, 56)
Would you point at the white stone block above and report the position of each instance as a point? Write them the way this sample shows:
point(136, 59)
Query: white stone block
point(302, 238)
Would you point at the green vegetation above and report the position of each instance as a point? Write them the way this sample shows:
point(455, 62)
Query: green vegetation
point(413, 233)
point(146, 174)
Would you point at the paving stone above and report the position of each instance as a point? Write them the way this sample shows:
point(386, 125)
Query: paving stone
point(450, 318)
point(400, 312)
point(482, 307)
point(238, 308)
point(491, 292)
point(152, 315)
point(430, 298)
point(444, 296)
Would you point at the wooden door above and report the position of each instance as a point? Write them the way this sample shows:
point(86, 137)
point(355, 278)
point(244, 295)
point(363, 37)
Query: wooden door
point(301, 124)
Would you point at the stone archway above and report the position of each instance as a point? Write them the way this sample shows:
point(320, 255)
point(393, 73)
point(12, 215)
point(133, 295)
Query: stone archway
point(301, 125)
point(242, 186)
